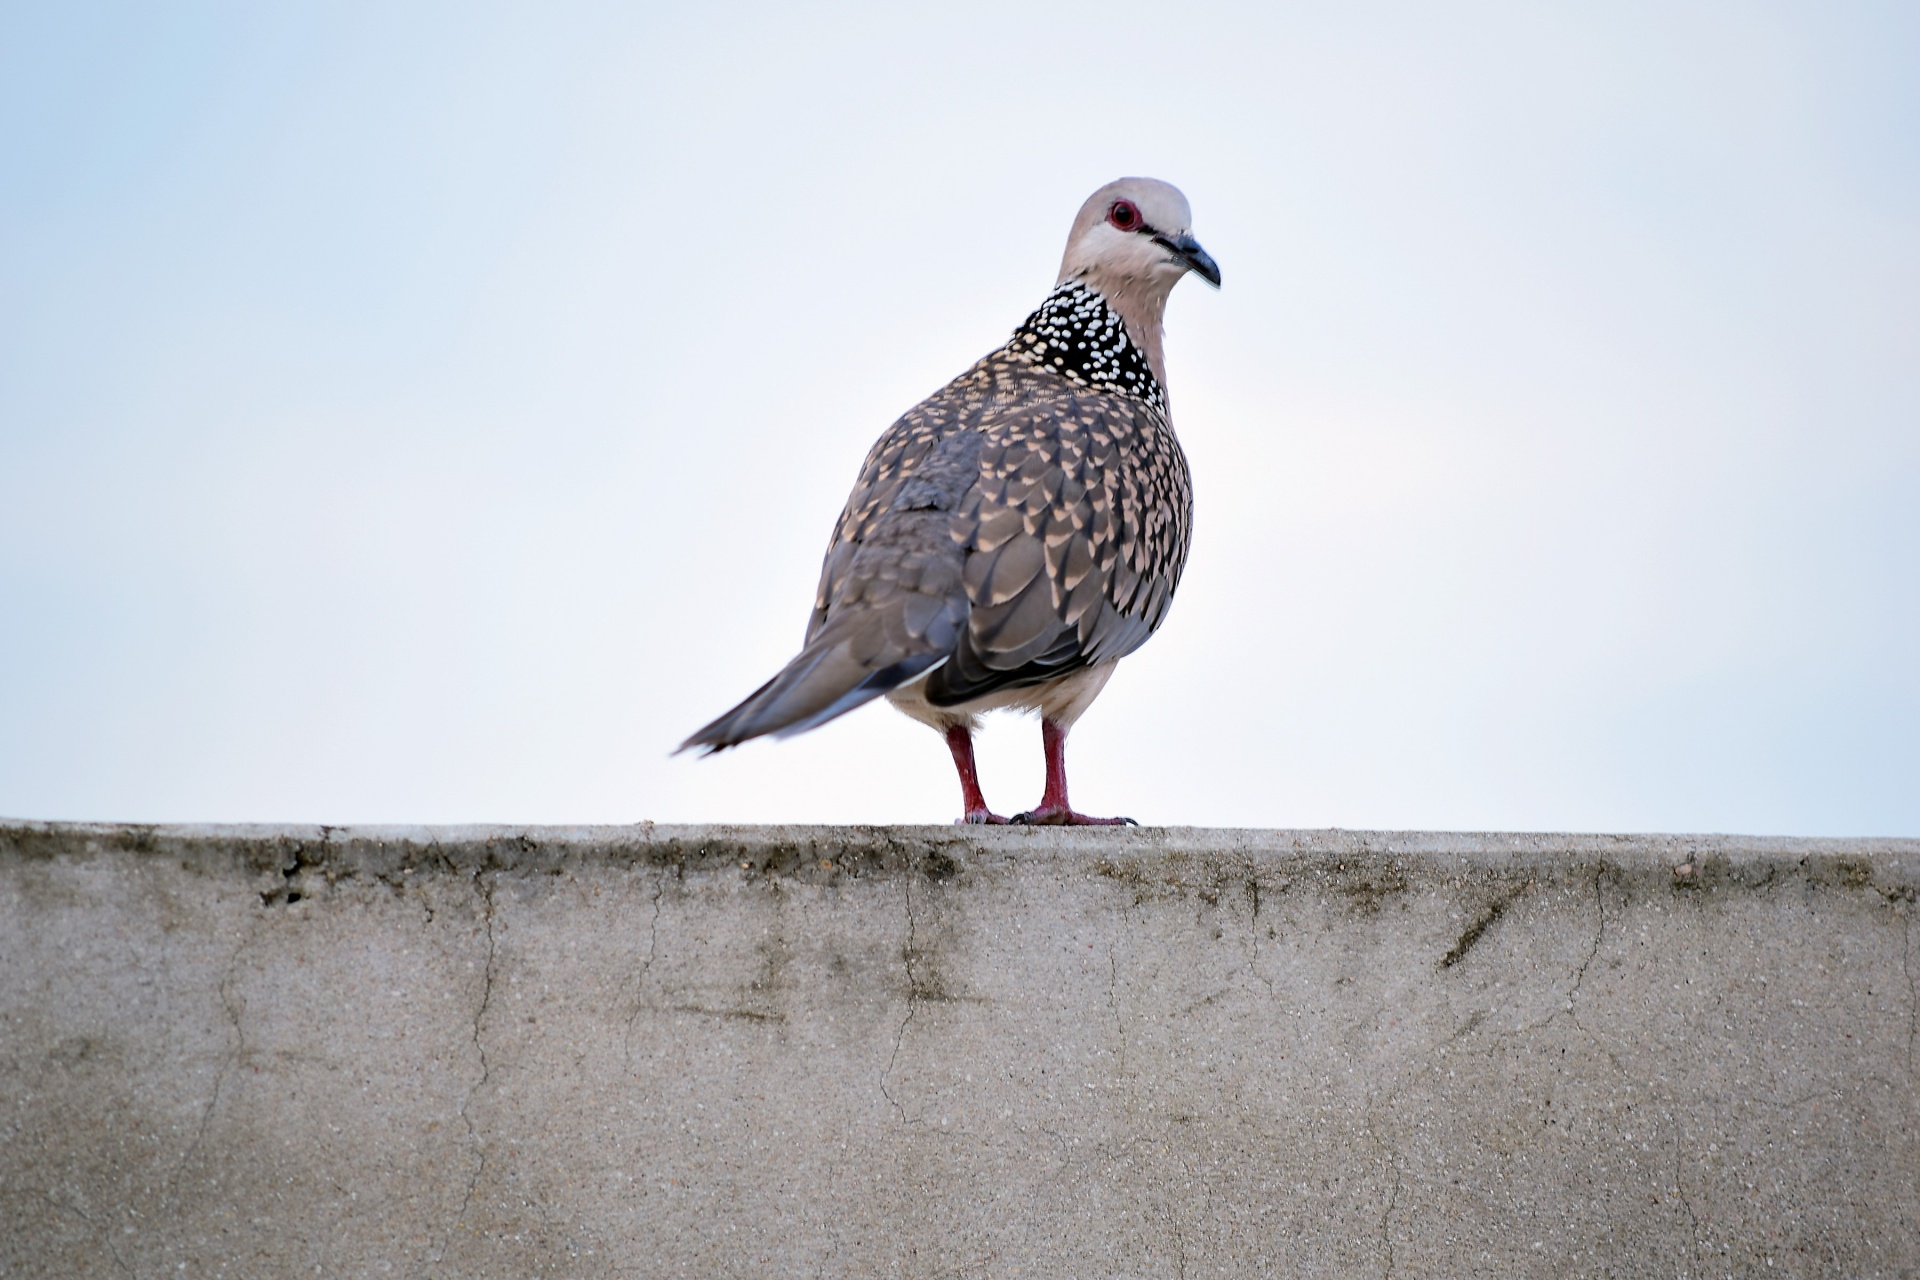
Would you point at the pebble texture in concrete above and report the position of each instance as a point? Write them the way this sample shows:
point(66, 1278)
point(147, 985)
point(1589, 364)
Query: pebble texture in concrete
point(660, 1051)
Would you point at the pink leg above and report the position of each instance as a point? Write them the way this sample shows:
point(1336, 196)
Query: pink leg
point(1054, 811)
point(960, 742)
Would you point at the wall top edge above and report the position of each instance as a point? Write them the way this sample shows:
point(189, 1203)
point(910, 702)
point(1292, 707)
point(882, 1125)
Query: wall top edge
point(835, 852)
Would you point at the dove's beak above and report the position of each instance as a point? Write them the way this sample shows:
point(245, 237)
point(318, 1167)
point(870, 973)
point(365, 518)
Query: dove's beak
point(1188, 250)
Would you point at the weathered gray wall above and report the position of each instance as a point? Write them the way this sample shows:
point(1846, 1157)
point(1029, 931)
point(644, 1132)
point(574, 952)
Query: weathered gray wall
point(936, 1052)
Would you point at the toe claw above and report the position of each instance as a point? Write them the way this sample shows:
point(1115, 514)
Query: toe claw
point(1066, 818)
point(981, 818)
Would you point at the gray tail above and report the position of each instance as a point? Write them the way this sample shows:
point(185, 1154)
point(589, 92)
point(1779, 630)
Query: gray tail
point(823, 682)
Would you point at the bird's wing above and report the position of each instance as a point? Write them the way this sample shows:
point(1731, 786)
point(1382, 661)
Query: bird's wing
point(1075, 536)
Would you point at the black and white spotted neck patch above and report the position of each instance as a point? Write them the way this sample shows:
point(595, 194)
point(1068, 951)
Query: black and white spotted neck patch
point(1077, 335)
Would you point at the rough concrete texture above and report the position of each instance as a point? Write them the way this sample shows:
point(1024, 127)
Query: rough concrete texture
point(660, 1051)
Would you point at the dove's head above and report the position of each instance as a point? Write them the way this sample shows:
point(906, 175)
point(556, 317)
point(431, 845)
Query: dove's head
point(1132, 241)
point(1137, 234)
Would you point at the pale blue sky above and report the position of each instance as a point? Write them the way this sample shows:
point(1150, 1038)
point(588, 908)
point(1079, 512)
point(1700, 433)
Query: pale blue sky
point(433, 413)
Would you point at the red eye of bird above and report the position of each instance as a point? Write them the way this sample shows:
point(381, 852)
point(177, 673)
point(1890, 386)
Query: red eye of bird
point(1124, 216)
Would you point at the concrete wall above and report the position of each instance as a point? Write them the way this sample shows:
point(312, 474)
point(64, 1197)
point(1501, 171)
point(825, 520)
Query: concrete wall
point(663, 1051)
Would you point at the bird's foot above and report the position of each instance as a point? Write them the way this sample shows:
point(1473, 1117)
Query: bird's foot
point(982, 818)
point(1062, 816)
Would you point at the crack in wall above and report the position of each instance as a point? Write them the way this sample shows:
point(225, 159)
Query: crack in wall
point(1393, 1199)
point(1376, 1110)
point(1599, 934)
point(106, 1236)
point(1580, 976)
point(484, 889)
point(1179, 1239)
point(1254, 898)
point(1580, 972)
point(1913, 989)
point(640, 976)
point(228, 1061)
point(1113, 1004)
point(831, 1224)
point(907, 955)
point(1680, 1193)
point(1429, 1055)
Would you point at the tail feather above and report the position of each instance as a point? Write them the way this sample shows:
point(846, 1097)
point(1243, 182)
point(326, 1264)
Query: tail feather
point(897, 607)
point(824, 681)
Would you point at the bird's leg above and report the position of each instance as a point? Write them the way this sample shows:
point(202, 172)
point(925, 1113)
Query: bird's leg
point(1054, 811)
point(960, 742)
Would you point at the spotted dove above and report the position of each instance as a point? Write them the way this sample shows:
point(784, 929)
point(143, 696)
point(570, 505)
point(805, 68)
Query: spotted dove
point(1022, 529)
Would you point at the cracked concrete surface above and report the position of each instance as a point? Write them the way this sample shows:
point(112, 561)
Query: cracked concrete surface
point(657, 1051)
point(483, 890)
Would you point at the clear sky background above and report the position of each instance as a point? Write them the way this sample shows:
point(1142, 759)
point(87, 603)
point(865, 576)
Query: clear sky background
point(435, 412)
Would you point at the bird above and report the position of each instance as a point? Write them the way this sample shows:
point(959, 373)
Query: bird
point(1017, 533)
